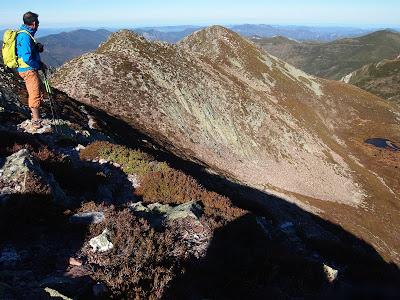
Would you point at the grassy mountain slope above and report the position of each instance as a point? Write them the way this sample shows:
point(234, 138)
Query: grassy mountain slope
point(173, 236)
point(217, 99)
point(382, 79)
point(334, 60)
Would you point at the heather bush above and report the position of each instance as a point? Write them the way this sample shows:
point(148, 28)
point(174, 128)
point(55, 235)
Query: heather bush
point(163, 184)
point(142, 262)
point(12, 142)
point(168, 187)
point(171, 186)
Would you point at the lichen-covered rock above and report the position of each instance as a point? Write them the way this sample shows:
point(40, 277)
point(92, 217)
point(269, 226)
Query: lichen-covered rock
point(55, 294)
point(101, 243)
point(330, 273)
point(27, 126)
point(22, 174)
point(159, 213)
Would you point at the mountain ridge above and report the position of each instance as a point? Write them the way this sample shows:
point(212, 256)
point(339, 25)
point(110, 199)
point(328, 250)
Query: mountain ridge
point(380, 78)
point(256, 119)
point(334, 60)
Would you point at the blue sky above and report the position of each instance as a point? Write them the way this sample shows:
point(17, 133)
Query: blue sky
point(124, 13)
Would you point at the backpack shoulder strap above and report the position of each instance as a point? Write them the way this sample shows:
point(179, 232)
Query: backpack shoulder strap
point(28, 33)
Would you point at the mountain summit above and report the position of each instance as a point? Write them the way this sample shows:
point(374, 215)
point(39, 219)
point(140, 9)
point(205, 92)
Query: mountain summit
point(218, 99)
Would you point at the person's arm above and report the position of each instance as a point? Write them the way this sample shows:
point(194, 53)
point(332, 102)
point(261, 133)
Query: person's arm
point(26, 50)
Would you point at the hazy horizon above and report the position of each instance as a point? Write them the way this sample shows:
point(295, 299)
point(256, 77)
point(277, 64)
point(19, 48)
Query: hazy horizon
point(136, 26)
point(155, 13)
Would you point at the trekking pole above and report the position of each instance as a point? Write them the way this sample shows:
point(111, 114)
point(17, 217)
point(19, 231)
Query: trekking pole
point(51, 101)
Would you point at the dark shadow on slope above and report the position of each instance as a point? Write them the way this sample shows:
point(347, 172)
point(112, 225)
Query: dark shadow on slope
point(242, 264)
point(242, 259)
point(310, 236)
point(36, 242)
point(87, 180)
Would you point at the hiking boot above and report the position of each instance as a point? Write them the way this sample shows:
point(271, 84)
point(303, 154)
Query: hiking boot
point(37, 124)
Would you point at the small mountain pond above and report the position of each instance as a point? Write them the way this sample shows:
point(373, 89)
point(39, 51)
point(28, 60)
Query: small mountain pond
point(383, 143)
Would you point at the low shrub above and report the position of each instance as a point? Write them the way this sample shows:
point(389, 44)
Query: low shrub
point(12, 142)
point(131, 161)
point(161, 183)
point(171, 186)
point(142, 262)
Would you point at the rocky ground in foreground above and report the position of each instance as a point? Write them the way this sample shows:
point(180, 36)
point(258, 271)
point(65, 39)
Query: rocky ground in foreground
point(86, 215)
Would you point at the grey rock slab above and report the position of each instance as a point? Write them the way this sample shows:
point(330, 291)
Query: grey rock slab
point(21, 173)
point(187, 210)
point(101, 243)
point(88, 218)
point(330, 273)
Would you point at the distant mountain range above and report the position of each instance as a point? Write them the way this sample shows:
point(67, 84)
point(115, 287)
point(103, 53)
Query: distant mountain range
point(175, 33)
point(64, 46)
point(47, 31)
point(336, 59)
point(301, 33)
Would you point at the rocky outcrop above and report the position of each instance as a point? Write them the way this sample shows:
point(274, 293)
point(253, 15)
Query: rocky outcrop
point(21, 174)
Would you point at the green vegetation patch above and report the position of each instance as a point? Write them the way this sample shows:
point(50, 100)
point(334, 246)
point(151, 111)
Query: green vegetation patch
point(131, 161)
point(161, 183)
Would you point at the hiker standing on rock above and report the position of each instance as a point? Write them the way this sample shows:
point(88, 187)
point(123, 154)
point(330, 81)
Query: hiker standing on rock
point(29, 64)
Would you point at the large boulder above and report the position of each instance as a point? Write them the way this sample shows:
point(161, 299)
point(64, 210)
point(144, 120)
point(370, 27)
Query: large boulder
point(21, 174)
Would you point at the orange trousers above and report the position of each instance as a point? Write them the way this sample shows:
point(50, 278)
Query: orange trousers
point(34, 88)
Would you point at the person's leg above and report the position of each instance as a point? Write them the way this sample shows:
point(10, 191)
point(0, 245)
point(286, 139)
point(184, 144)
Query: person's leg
point(32, 83)
point(35, 114)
